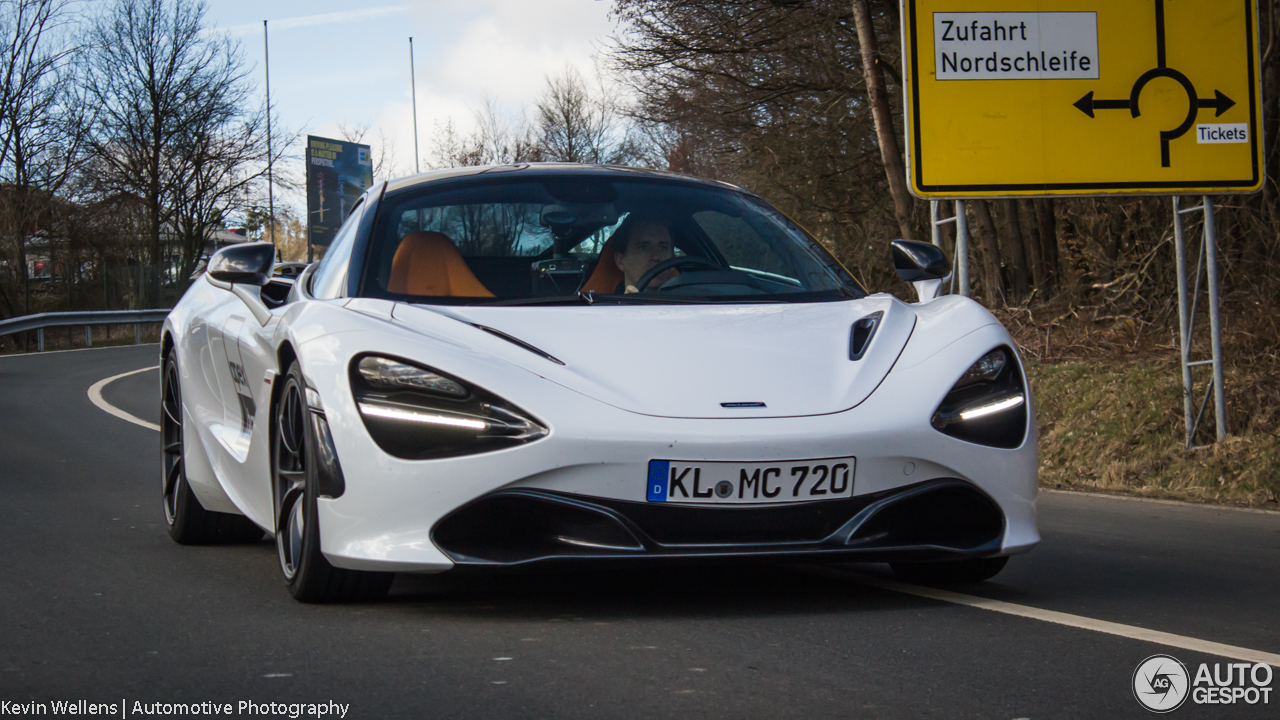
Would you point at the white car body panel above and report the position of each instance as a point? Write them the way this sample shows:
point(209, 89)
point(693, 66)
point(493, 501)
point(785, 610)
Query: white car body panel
point(670, 362)
point(603, 429)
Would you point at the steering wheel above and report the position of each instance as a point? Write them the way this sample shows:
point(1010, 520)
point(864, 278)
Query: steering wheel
point(690, 262)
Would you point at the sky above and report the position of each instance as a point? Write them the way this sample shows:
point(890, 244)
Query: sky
point(331, 63)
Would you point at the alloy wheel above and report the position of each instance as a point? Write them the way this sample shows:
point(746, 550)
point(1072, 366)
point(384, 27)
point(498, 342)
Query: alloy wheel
point(290, 478)
point(171, 440)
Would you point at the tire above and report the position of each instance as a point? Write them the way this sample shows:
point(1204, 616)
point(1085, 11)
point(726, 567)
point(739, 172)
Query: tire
point(950, 571)
point(188, 522)
point(307, 574)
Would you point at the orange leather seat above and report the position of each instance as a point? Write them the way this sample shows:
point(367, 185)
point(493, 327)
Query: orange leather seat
point(428, 263)
point(606, 276)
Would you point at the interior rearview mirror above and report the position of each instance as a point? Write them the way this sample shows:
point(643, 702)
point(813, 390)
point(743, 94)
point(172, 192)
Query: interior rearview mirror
point(243, 264)
point(923, 265)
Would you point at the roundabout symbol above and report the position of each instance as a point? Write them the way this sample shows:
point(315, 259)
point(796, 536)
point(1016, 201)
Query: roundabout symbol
point(1220, 103)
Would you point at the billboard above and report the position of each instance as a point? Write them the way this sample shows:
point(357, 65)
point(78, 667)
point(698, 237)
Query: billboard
point(338, 173)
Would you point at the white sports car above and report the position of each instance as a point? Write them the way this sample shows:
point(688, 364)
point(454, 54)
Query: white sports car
point(543, 365)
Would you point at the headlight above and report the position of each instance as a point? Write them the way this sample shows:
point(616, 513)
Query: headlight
point(988, 404)
point(416, 413)
point(387, 374)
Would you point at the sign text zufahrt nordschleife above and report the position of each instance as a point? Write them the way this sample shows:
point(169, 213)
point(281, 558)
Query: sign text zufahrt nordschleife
point(1015, 46)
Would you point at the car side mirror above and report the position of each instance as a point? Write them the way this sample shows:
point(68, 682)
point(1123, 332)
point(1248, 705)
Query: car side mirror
point(243, 264)
point(923, 265)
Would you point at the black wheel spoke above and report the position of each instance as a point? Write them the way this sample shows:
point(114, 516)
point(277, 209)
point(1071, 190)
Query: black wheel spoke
point(171, 414)
point(171, 478)
point(292, 496)
point(174, 447)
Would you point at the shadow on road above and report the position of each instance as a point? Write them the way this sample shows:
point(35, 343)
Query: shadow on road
point(691, 592)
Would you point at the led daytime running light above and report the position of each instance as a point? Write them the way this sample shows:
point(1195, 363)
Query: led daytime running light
point(428, 418)
point(992, 408)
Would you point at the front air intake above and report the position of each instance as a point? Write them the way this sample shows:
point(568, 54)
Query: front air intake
point(863, 331)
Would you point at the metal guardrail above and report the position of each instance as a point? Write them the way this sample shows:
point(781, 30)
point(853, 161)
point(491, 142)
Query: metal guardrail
point(87, 318)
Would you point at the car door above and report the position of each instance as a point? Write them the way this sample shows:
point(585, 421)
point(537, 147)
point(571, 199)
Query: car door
point(235, 398)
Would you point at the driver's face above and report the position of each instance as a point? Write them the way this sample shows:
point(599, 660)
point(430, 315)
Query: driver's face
point(650, 244)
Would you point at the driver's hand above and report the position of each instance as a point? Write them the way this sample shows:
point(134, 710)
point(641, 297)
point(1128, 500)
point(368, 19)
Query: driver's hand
point(631, 289)
point(660, 280)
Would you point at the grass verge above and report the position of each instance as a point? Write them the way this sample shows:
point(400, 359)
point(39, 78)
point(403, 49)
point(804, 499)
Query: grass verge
point(1117, 426)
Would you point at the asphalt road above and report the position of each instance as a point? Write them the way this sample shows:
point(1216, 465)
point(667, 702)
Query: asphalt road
point(97, 604)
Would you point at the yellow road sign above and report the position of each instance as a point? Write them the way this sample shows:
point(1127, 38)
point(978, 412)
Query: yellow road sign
point(1082, 97)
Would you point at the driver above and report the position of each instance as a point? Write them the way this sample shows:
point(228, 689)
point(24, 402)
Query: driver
point(643, 244)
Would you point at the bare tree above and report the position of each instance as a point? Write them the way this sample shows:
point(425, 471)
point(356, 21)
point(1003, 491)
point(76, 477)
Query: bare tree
point(42, 122)
point(577, 124)
point(770, 95)
point(1015, 250)
point(990, 246)
point(887, 137)
point(386, 164)
point(213, 169)
point(497, 139)
point(168, 90)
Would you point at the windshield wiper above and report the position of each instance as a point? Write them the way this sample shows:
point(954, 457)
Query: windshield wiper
point(589, 297)
point(578, 298)
point(646, 299)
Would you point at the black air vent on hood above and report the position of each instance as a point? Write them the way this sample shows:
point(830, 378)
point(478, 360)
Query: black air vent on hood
point(863, 331)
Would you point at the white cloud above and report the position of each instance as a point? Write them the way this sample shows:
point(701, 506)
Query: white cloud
point(347, 16)
point(465, 52)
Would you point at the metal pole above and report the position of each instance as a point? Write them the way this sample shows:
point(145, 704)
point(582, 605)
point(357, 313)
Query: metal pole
point(1215, 319)
point(933, 223)
point(40, 340)
point(1184, 312)
point(88, 336)
point(271, 200)
point(137, 333)
point(413, 91)
point(962, 246)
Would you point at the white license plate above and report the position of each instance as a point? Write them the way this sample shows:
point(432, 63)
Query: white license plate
point(738, 483)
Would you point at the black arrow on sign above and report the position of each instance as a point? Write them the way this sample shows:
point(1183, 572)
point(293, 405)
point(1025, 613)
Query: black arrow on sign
point(1221, 103)
point(1087, 104)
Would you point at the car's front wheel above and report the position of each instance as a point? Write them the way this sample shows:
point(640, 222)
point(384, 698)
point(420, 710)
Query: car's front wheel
point(308, 575)
point(950, 571)
point(188, 522)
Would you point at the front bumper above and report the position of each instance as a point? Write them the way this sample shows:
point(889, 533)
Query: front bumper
point(430, 516)
point(934, 520)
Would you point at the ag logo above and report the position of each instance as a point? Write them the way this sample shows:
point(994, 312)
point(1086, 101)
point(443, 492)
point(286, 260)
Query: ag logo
point(1161, 683)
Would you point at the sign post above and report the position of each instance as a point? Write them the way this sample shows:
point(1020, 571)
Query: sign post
point(1044, 98)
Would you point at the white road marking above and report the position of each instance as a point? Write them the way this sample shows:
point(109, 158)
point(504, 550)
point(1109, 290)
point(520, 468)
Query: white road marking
point(95, 396)
point(1132, 632)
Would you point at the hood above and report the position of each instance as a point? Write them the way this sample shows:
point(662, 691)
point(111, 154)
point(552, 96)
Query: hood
point(692, 361)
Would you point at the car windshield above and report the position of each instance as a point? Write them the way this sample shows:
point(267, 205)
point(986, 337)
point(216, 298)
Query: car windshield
point(591, 239)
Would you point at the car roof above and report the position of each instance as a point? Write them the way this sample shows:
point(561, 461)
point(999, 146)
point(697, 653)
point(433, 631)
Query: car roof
point(524, 170)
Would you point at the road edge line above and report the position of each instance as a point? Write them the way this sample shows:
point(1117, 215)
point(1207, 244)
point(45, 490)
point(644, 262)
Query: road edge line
point(1131, 632)
point(1159, 501)
point(95, 396)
